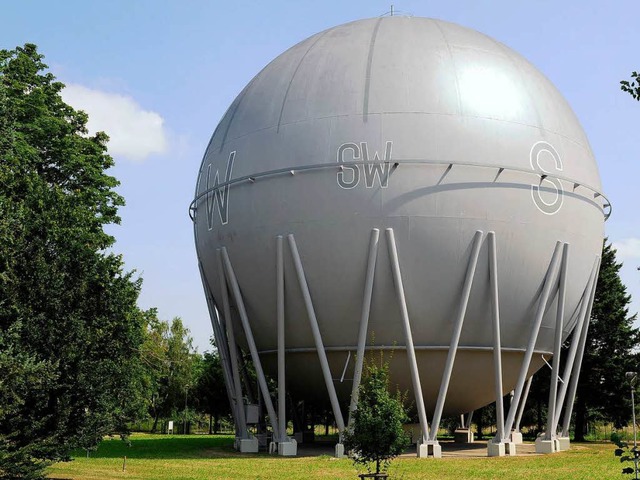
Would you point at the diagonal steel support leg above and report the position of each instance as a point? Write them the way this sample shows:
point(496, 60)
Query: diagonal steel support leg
point(467, 423)
point(221, 345)
point(550, 281)
point(573, 387)
point(522, 404)
point(455, 337)
point(364, 320)
point(575, 341)
point(233, 351)
point(550, 434)
point(317, 336)
point(411, 353)
point(262, 381)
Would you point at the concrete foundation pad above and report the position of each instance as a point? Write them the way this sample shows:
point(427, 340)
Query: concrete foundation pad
point(425, 450)
point(422, 450)
point(563, 443)
point(495, 449)
point(510, 449)
point(288, 449)
point(516, 437)
point(546, 446)
point(434, 450)
point(463, 435)
point(248, 445)
point(339, 452)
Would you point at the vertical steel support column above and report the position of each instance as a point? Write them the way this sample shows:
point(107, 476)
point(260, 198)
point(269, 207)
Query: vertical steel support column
point(411, 353)
point(235, 288)
point(575, 341)
point(457, 330)
point(497, 344)
point(233, 350)
point(522, 403)
point(317, 336)
point(282, 402)
point(576, 375)
point(557, 345)
point(364, 320)
point(549, 282)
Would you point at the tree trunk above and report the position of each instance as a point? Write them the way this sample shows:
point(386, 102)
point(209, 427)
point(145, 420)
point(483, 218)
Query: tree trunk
point(216, 424)
point(479, 422)
point(155, 424)
point(377, 466)
point(581, 413)
point(539, 416)
point(210, 424)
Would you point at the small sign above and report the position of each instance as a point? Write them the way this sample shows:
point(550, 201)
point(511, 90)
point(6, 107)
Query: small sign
point(170, 428)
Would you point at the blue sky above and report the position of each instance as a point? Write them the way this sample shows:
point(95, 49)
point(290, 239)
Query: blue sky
point(158, 75)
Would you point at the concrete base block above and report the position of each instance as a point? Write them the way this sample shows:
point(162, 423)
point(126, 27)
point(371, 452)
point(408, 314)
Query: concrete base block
point(463, 435)
point(288, 449)
point(434, 450)
point(546, 446)
point(516, 437)
point(510, 449)
point(563, 443)
point(248, 445)
point(422, 450)
point(496, 449)
point(425, 450)
point(339, 450)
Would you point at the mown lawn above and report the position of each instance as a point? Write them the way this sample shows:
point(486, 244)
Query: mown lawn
point(160, 457)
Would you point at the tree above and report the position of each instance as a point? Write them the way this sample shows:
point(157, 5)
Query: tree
point(169, 362)
point(609, 352)
point(210, 392)
point(632, 87)
point(70, 329)
point(376, 436)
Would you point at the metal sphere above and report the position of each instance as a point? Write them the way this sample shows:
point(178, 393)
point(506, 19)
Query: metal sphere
point(419, 125)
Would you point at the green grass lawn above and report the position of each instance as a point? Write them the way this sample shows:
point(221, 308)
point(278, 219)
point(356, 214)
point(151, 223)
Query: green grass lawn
point(178, 457)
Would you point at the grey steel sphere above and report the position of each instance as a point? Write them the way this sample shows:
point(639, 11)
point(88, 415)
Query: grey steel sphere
point(419, 125)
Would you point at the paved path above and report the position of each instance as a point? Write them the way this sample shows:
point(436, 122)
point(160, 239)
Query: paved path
point(450, 449)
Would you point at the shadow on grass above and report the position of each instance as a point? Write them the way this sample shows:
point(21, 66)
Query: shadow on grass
point(146, 446)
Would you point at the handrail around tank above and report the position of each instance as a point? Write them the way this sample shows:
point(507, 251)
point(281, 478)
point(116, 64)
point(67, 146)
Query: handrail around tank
point(340, 165)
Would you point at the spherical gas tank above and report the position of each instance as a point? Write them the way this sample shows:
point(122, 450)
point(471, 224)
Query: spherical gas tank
point(424, 127)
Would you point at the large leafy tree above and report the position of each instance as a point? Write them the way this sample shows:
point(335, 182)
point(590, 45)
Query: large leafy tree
point(170, 366)
point(609, 353)
point(70, 330)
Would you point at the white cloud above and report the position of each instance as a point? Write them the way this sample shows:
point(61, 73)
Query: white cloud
point(628, 248)
point(134, 133)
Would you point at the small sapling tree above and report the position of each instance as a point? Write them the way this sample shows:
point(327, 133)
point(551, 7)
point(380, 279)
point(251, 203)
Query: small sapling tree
point(376, 436)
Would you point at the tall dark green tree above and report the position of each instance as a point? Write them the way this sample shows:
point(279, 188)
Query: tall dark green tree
point(70, 330)
point(609, 353)
point(210, 392)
